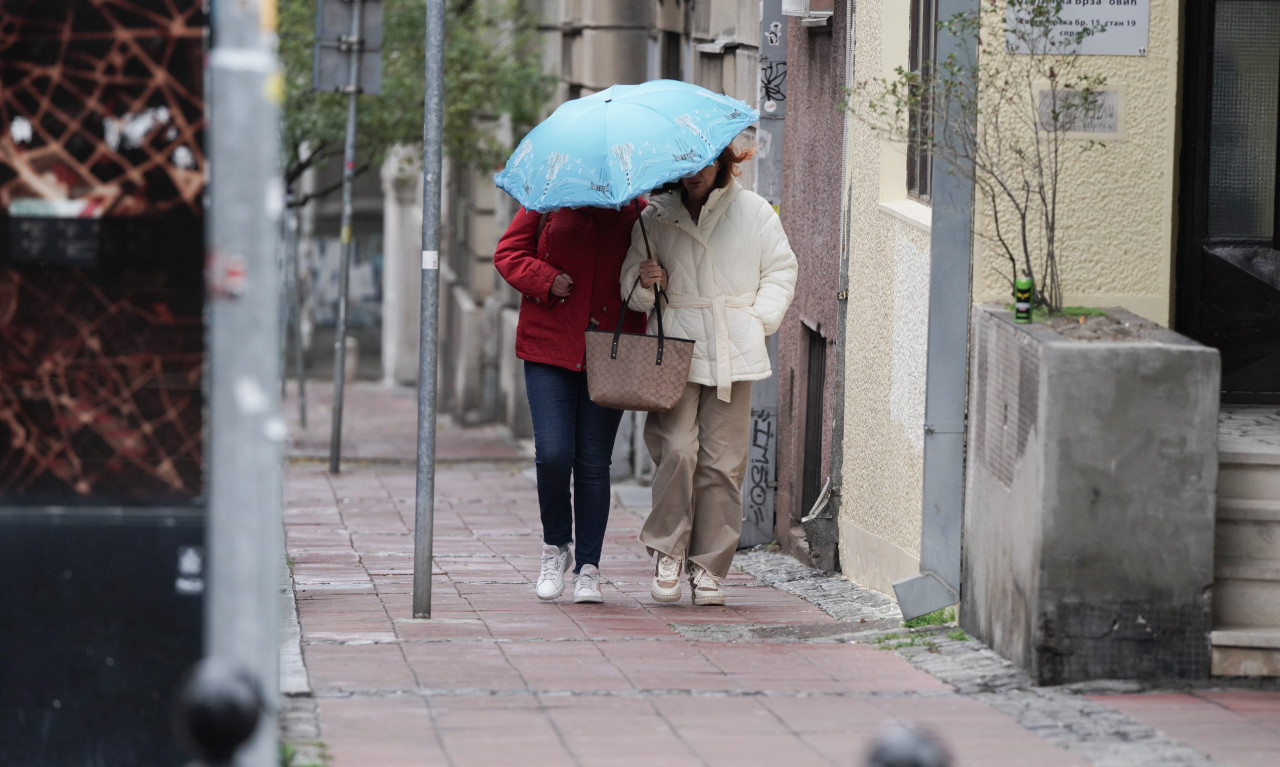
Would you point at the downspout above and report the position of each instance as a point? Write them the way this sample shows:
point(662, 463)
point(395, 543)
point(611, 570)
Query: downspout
point(938, 584)
point(822, 522)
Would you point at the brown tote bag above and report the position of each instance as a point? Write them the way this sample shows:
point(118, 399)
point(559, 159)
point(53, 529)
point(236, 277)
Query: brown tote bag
point(637, 371)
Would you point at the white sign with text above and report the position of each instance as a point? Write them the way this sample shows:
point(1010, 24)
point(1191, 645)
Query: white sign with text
point(1121, 29)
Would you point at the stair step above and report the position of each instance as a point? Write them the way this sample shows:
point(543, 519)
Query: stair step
point(1248, 454)
point(1267, 637)
point(1248, 509)
point(1245, 650)
point(1246, 539)
point(1247, 569)
point(1258, 481)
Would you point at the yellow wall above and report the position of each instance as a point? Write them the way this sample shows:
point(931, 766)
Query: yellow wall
point(886, 331)
point(1117, 204)
point(1116, 239)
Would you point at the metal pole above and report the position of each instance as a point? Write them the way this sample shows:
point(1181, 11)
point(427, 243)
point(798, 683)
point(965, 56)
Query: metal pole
point(353, 45)
point(286, 284)
point(245, 539)
point(299, 355)
point(432, 146)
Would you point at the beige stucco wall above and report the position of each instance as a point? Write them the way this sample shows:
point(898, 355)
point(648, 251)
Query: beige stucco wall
point(1116, 240)
point(886, 333)
point(1117, 203)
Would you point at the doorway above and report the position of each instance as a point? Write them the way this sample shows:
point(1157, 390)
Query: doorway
point(1228, 274)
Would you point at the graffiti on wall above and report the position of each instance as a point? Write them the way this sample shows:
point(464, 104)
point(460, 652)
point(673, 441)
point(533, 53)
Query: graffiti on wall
point(759, 490)
point(102, 171)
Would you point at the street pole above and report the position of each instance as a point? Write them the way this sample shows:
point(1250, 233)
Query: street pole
point(432, 147)
point(245, 536)
point(354, 45)
point(299, 354)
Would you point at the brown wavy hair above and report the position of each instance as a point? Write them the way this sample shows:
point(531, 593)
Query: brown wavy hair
point(729, 160)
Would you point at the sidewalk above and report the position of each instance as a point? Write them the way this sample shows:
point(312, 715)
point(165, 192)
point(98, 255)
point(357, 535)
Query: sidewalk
point(790, 670)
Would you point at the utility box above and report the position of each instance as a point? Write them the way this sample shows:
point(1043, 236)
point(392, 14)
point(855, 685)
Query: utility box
point(102, 370)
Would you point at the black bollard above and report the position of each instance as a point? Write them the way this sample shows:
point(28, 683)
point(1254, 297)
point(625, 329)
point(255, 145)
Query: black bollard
point(217, 710)
point(904, 745)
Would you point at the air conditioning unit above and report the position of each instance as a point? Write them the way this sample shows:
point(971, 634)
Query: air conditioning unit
point(812, 13)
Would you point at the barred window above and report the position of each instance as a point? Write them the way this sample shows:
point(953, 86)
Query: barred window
point(924, 41)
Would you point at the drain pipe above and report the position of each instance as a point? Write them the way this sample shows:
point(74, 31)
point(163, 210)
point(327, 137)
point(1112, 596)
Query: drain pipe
point(950, 239)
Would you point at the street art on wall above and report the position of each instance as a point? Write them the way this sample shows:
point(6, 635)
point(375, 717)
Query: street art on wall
point(102, 173)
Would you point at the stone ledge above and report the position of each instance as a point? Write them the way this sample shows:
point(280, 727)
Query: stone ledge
point(1248, 510)
point(1245, 661)
point(1263, 637)
point(1246, 569)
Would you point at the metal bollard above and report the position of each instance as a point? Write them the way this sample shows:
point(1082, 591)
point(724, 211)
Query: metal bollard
point(216, 711)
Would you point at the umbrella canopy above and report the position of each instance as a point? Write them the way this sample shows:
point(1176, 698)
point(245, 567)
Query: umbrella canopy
point(606, 149)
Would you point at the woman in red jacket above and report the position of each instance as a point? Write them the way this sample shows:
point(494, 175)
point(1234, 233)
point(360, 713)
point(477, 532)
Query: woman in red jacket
point(566, 266)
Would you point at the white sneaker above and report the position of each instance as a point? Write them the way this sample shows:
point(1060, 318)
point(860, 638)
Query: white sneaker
point(586, 586)
point(706, 587)
point(554, 564)
point(666, 579)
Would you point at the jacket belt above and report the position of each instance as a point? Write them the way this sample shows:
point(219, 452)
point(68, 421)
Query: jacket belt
point(719, 306)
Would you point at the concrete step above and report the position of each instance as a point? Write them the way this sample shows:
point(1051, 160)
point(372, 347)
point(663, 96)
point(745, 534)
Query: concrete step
point(1254, 479)
point(1247, 593)
point(1248, 569)
point(1248, 509)
point(1246, 651)
point(1246, 539)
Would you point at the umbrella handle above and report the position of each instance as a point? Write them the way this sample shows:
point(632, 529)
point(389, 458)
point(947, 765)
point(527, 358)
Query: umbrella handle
point(648, 252)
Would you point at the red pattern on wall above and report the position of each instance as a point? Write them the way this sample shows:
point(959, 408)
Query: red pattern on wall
point(102, 117)
point(102, 101)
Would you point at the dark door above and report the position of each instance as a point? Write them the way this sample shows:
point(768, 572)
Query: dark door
point(1228, 286)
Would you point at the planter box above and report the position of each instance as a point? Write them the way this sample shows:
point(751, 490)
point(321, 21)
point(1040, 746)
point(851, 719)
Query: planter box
point(1089, 500)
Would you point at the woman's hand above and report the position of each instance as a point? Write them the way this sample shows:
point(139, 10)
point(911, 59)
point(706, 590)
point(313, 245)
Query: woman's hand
point(651, 272)
point(561, 286)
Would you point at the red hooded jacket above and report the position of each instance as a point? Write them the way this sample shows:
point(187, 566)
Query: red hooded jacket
point(589, 245)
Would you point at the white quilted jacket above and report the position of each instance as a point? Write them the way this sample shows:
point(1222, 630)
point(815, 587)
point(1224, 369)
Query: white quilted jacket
point(731, 277)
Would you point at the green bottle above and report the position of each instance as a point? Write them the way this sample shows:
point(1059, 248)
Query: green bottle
point(1022, 288)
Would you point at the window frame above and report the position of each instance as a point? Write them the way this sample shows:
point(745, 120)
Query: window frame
point(922, 51)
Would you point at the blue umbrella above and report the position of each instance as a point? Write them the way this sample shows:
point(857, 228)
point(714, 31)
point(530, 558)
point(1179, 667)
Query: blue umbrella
point(606, 149)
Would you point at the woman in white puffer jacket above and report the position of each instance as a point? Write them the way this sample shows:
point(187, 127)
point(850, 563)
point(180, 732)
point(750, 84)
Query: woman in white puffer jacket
point(721, 257)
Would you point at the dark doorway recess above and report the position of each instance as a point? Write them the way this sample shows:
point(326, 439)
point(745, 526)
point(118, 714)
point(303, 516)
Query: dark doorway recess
point(815, 429)
point(1228, 273)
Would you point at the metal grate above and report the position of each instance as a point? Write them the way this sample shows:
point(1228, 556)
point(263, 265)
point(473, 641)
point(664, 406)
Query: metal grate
point(1008, 401)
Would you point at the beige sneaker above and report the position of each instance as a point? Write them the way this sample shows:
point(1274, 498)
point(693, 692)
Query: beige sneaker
point(666, 579)
point(705, 586)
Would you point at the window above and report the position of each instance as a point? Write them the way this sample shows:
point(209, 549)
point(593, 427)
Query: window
point(672, 69)
point(1242, 137)
point(924, 40)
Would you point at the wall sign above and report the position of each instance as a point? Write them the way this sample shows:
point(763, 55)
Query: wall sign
point(1122, 28)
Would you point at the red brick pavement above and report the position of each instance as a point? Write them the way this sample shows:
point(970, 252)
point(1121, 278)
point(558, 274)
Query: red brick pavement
point(1239, 728)
point(496, 677)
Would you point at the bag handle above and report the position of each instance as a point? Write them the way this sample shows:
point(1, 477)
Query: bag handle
point(658, 293)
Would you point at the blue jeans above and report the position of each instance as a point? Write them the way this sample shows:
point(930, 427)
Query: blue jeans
point(572, 437)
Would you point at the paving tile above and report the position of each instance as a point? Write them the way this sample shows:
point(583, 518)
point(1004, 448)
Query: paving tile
point(366, 667)
point(498, 677)
point(462, 666)
point(1236, 728)
point(387, 732)
point(976, 734)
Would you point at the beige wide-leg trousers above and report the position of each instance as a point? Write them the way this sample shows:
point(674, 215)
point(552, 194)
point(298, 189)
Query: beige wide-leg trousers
point(701, 448)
